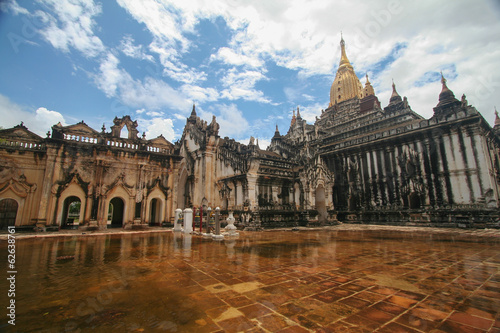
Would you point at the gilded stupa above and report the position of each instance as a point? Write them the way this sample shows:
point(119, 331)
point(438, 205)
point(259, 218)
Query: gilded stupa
point(346, 84)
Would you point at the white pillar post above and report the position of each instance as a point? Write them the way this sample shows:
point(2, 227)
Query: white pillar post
point(188, 220)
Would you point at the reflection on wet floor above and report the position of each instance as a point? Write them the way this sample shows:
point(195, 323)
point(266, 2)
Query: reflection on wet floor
point(280, 281)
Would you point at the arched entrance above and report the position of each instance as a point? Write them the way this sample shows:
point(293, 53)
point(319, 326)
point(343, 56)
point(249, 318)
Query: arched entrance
point(321, 203)
point(155, 212)
point(115, 213)
point(71, 212)
point(8, 213)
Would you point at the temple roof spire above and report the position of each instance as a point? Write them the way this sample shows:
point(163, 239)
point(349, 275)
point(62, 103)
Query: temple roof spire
point(343, 56)
point(395, 97)
point(346, 84)
point(368, 87)
point(446, 96)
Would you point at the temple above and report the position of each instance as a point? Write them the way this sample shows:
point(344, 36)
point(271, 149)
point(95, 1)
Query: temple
point(358, 163)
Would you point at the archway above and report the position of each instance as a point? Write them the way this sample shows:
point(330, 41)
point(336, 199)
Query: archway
point(71, 212)
point(155, 212)
point(116, 212)
point(8, 213)
point(321, 203)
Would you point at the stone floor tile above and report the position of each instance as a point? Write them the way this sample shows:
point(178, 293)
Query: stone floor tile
point(236, 324)
point(294, 329)
point(454, 327)
point(401, 301)
point(470, 320)
point(416, 322)
point(389, 308)
point(396, 328)
point(254, 310)
point(355, 302)
point(239, 301)
point(273, 322)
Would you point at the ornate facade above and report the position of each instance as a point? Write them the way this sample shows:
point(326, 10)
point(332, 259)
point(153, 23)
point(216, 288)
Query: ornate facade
point(79, 177)
point(358, 163)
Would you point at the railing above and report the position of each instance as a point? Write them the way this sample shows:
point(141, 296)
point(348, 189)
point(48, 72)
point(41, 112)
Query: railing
point(21, 144)
point(86, 139)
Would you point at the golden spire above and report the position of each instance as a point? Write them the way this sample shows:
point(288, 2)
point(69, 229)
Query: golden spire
point(343, 57)
point(346, 84)
point(293, 118)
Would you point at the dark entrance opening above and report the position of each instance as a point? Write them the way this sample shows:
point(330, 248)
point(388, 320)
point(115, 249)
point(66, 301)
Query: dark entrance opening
point(71, 213)
point(155, 210)
point(116, 212)
point(8, 213)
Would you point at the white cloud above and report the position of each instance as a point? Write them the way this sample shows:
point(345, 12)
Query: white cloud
point(158, 126)
point(73, 26)
point(240, 85)
point(128, 48)
point(149, 93)
point(45, 119)
point(231, 120)
point(38, 122)
point(13, 6)
point(230, 57)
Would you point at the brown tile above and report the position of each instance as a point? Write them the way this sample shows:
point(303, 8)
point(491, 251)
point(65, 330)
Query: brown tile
point(413, 321)
point(355, 302)
point(452, 326)
point(294, 329)
point(401, 301)
point(428, 313)
point(467, 319)
point(290, 309)
point(239, 301)
point(236, 324)
point(389, 308)
point(396, 328)
point(305, 321)
point(371, 297)
point(254, 310)
point(376, 315)
point(273, 322)
point(383, 290)
point(326, 297)
point(360, 321)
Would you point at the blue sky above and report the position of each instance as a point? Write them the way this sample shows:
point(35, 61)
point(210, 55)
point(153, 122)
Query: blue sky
point(249, 63)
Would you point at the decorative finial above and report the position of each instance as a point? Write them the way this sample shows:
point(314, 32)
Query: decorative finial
point(103, 127)
point(298, 113)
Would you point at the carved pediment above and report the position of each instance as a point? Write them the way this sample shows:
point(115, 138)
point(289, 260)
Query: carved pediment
point(161, 142)
point(19, 186)
point(20, 132)
point(80, 129)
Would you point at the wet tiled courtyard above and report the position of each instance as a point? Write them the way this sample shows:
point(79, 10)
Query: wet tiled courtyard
point(277, 281)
